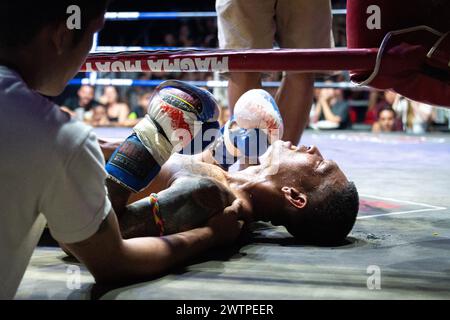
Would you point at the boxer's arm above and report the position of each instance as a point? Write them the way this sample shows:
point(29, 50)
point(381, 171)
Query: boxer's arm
point(207, 157)
point(187, 204)
point(111, 259)
point(119, 195)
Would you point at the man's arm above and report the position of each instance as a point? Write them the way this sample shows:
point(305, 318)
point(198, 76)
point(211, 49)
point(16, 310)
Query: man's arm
point(317, 112)
point(111, 259)
point(328, 114)
point(187, 204)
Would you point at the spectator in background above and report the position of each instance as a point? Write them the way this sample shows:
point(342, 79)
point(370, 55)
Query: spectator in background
point(170, 40)
point(82, 103)
point(331, 110)
point(386, 120)
point(185, 37)
point(140, 110)
point(116, 110)
point(422, 118)
point(378, 101)
point(210, 39)
point(133, 93)
point(440, 119)
point(224, 116)
point(254, 24)
point(416, 117)
point(99, 117)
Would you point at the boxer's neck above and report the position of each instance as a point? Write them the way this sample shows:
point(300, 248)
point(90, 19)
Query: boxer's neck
point(253, 187)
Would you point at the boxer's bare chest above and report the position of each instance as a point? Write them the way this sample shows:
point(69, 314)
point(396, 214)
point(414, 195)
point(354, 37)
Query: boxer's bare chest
point(190, 175)
point(178, 167)
point(184, 166)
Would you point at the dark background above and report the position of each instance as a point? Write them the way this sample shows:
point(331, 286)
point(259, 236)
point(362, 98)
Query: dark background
point(151, 33)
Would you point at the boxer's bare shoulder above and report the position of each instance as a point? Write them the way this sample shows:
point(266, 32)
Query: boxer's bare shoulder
point(177, 167)
point(181, 165)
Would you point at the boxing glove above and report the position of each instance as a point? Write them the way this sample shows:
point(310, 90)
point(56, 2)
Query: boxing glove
point(176, 113)
point(256, 109)
point(255, 125)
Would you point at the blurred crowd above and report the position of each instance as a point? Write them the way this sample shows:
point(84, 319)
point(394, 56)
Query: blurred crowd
point(333, 108)
point(384, 111)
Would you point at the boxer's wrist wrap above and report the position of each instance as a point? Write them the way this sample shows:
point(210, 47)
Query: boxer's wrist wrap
point(152, 136)
point(209, 133)
point(154, 205)
point(221, 153)
point(237, 143)
point(251, 143)
point(131, 165)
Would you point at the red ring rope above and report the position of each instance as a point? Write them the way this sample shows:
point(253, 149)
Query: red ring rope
point(260, 60)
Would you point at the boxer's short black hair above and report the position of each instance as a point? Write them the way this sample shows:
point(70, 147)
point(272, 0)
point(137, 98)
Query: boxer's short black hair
point(328, 218)
point(21, 21)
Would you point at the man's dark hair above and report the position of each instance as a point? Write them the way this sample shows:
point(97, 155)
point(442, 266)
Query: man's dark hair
point(328, 218)
point(21, 21)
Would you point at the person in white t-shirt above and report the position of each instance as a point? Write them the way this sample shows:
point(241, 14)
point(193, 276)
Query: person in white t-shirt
point(256, 24)
point(52, 169)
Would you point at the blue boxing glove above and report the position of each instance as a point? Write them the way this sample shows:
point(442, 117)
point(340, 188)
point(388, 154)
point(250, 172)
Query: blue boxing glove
point(176, 114)
point(236, 142)
point(255, 125)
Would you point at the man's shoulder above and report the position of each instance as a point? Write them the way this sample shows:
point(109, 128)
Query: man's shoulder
point(191, 165)
point(20, 102)
point(72, 134)
point(64, 140)
point(14, 91)
point(205, 188)
point(204, 191)
point(34, 119)
point(6, 72)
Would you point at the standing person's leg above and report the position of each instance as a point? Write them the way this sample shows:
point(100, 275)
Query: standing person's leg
point(295, 99)
point(239, 83)
point(300, 24)
point(245, 24)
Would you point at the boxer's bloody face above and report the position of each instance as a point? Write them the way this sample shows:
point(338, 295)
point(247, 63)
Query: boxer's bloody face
point(300, 171)
point(301, 166)
point(306, 193)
